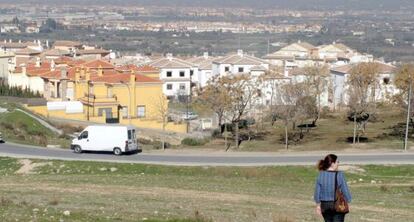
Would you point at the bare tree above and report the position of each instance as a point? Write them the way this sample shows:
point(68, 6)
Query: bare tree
point(403, 79)
point(317, 77)
point(162, 113)
point(362, 85)
point(271, 81)
point(241, 91)
point(215, 96)
point(294, 106)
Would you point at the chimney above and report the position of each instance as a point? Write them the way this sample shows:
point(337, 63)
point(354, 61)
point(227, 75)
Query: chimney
point(100, 71)
point(169, 56)
point(20, 41)
point(77, 75)
point(38, 62)
point(10, 40)
point(47, 43)
point(88, 74)
point(52, 65)
point(132, 78)
point(82, 72)
point(63, 73)
point(205, 55)
point(240, 52)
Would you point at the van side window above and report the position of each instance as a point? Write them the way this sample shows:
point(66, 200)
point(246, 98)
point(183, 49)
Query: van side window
point(84, 135)
point(129, 134)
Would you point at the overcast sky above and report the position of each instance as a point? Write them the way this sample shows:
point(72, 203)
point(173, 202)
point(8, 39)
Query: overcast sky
point(292, 4)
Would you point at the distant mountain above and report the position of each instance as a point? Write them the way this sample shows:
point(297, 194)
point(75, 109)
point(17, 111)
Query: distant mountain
point(288, 4)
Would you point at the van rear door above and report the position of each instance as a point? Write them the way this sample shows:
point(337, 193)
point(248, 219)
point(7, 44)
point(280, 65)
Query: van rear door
point(131, 137)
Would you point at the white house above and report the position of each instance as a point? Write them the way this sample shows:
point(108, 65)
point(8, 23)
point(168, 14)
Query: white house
point(30, 76)
point(176, 75)
point(7, 64)
point(205, 69)
point(298, 54)
point(238, 63)
point(384, 91)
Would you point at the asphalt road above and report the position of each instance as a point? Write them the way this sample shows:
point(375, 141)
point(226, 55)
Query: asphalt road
point(207, 159)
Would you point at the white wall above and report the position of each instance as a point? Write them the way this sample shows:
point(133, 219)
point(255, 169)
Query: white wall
point(176, 88)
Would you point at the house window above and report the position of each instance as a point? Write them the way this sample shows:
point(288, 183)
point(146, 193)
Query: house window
point(182, 86)
point(109, 92)
point(125, 111)
point(191, 72)
point(241, 69)
point(90, 89)
point(106, 111)
point(140, 111)
point(182, 73)
point(169, 74)
point(169, 86)
point(386, 80)
point(226, 69)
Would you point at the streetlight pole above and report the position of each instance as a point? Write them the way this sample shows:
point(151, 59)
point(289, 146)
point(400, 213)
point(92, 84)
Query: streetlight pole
point(129, 108)
point(408, 117)
point(88, 82)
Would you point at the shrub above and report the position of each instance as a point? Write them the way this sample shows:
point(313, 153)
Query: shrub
point(144, 141)
point(70, 129)
point(193, 141)
point(384, 188)
point(158, 145)
point(216, 133)
point(7, 126)
point(326, 113)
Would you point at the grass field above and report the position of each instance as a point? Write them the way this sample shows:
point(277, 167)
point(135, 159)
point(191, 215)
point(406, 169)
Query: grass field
point(18, 127)
point(330, 134)
point(35, 190)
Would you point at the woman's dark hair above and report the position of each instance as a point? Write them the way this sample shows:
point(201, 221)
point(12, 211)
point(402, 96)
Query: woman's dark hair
point(327, 162)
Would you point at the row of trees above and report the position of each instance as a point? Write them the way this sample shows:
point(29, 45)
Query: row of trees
point(297, 103)
point(294, 103)
point(15, 91)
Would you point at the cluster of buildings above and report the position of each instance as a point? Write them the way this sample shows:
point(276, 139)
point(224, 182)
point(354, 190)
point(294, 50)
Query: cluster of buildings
point(88, 83)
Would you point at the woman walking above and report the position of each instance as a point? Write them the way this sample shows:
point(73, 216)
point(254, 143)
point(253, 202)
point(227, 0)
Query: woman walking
point(325, 189)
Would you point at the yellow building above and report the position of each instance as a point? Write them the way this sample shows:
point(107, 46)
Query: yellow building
point(111, 96)
point(145, 70)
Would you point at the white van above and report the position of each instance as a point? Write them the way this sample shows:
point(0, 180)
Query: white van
point(116, 139)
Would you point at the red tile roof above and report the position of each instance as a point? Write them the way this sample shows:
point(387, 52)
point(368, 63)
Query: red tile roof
point(37, 72)
point(96, 64)
point(77, 62)
point(67, 43)
point(118, 78)
point(127, 68)
point(63, 60)
point(147, 68)
point(27, 51)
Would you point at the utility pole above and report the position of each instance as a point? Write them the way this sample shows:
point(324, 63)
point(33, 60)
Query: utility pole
point(88, 82)
point(129, 108)
point(408, 116)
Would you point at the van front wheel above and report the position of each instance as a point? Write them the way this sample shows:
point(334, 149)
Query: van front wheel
point(77, 149)
point(117, 151)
